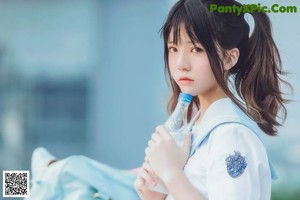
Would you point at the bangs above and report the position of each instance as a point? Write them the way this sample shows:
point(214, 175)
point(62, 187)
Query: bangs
point(177, 18)
point(201, 27)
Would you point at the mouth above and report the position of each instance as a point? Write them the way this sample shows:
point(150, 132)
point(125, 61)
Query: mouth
point(185, 80)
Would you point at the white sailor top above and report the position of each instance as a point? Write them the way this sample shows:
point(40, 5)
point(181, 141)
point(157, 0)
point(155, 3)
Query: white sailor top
point(228, 161)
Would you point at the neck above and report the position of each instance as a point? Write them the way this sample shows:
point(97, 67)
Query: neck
point(207, 100)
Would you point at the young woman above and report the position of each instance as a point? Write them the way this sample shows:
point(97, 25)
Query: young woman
point(225, 158)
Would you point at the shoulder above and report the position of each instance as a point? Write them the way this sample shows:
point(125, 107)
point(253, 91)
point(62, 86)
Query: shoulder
point(233, 139)
point(233, 135)
point(237, 163)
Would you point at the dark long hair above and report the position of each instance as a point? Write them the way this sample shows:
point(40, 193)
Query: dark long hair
point(258, 70)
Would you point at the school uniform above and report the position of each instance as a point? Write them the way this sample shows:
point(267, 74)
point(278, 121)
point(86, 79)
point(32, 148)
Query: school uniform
point(228, 160)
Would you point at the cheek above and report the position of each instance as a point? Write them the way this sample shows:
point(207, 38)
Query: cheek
point(172, 66)
point(203, 68)
point(205, 73)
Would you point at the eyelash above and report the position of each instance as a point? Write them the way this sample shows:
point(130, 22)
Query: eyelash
point(197, 49)
point(194, 49)
point(172, 49)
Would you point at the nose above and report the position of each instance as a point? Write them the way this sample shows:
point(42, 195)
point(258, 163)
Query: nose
point(183, 63)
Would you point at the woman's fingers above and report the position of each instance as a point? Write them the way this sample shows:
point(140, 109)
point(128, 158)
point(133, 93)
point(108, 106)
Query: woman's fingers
point(144, 180)
point(149, 169)
point(155, 137)
point(163, 132)
point(159, 134)
point(147, 151)
point(139, 184)
point(150, 143)
point(148, 178)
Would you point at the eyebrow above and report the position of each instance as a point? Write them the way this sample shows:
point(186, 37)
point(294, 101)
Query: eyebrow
point(171, 42)
point(189, 42)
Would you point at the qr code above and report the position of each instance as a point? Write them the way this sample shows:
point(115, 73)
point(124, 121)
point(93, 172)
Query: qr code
point(15, 183)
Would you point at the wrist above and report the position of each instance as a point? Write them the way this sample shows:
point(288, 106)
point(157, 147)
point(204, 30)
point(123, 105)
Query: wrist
point(171, 176)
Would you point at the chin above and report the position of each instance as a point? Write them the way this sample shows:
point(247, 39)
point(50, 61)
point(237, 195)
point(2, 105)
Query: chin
point(189, 91)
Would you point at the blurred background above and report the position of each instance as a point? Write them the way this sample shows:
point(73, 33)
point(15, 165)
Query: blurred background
point(87, 77)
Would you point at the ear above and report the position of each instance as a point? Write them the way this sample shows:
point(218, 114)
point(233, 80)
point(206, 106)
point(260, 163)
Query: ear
point(232, 59)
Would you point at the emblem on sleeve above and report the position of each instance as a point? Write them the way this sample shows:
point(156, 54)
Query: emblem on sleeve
point(236, 164)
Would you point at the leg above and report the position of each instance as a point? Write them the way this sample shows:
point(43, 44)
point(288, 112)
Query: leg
point(108, 181)
point(50, 182)
point(78, 177)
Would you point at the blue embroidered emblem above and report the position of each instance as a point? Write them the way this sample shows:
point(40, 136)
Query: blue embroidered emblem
point(236, 164)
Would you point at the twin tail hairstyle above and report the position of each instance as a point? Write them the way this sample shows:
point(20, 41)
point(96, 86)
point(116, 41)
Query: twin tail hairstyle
point(256, 75)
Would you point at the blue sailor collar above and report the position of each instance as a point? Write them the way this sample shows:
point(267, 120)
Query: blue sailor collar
point(220, 112)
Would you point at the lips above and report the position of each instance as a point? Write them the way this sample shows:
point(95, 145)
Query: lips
point(185, 79)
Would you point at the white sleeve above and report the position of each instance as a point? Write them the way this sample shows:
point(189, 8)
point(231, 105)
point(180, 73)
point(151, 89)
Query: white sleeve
point(237, 166)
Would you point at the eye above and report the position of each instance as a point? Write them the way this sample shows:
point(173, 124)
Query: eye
point(172, 49)
point(197, 50)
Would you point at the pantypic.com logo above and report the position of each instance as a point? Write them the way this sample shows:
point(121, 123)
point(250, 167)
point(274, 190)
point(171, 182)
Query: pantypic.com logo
point(250, 8)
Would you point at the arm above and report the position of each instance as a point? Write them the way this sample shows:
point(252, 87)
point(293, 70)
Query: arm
point(168, 161)
point(237, 165)
point(180, 187)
